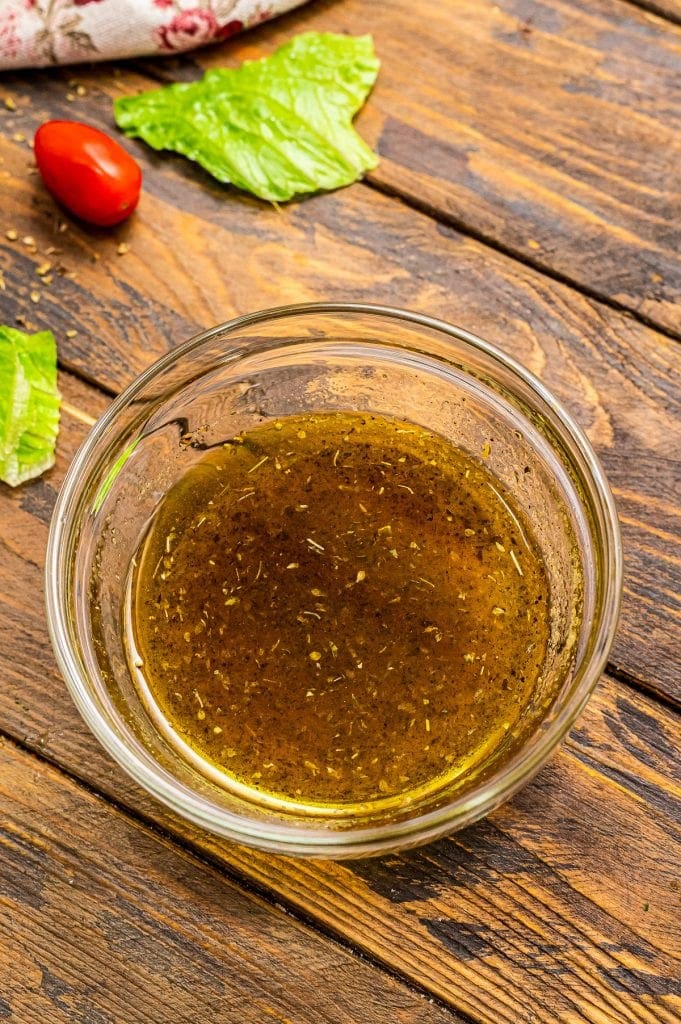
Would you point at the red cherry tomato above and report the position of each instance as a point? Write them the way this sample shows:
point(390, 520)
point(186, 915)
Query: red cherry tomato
point(88, 172)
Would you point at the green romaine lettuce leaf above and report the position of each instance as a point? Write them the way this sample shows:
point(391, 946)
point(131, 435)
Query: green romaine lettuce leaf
point(29, 404)
point(275, 127)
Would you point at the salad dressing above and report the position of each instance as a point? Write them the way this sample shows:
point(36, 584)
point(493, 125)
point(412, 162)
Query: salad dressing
point(338, 608)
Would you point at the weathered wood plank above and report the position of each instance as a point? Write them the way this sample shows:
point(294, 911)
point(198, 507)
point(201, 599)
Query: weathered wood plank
point(552, 128)
point(562, 906)
point(103, 921)
point(198, 256)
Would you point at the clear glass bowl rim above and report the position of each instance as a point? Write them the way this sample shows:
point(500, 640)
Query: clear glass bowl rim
point(279, 837)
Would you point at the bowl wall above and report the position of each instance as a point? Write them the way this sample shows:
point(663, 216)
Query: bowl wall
point(308, 359)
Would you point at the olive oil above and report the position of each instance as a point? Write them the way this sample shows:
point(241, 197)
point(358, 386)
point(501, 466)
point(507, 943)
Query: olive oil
point(338, 608)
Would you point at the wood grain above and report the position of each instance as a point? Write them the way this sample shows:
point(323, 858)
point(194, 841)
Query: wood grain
point(551, 128)
point(563, 906)
point(199, 254)
point(102, 921)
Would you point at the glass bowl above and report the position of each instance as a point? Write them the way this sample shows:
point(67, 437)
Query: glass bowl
point(306, 359)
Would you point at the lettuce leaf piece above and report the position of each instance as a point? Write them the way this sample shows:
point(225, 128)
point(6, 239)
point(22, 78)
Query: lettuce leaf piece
point(29, 404)
point(275, 127)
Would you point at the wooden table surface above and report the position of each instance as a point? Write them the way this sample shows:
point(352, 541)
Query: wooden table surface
point(528, 190)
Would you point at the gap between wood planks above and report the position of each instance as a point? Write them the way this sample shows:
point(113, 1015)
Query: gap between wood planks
point(282, 900)
point(665, 10)
point(468, 230)
point(648, 690)
point(244, 882)
point(668, 10)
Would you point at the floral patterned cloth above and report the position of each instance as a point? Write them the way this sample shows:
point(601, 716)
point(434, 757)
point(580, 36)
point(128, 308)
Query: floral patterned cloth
point(34, 33)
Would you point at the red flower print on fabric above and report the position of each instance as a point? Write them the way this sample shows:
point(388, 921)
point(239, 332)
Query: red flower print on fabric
point(187, 29)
